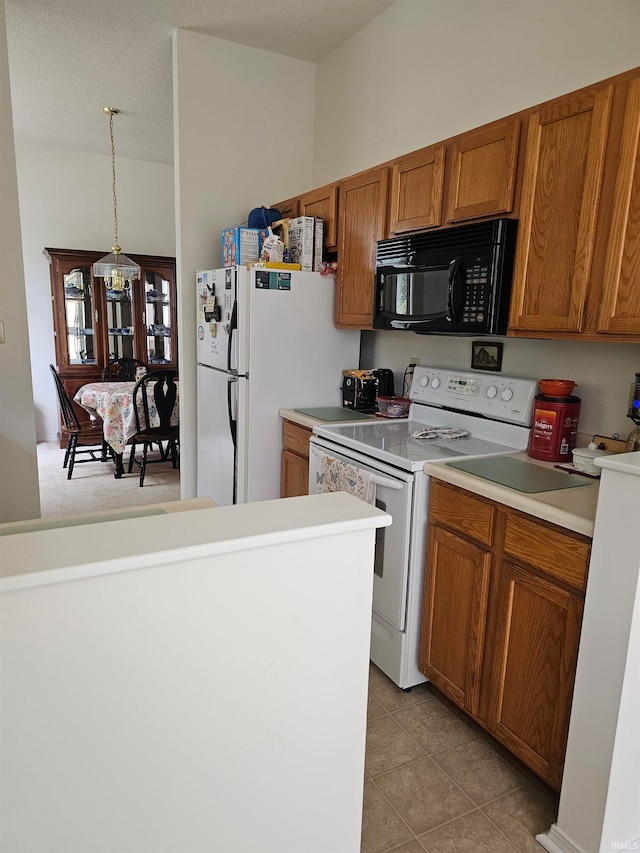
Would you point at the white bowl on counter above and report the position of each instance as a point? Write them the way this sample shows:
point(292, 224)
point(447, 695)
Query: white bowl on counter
point(583, 459)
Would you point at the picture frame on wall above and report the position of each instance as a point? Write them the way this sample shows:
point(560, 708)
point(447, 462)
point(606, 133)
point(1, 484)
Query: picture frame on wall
point(486, 355)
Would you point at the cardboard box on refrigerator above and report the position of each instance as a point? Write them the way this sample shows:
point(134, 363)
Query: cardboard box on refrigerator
point(241, 245)
point(305, 242)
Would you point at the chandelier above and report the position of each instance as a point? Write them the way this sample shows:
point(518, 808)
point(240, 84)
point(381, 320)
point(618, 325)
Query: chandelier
point(116, 269)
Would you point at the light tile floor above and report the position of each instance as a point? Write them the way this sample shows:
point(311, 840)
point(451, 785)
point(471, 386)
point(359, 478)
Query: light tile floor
point(433, 783)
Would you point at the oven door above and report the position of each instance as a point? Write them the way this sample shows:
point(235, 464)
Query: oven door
point(394, 494)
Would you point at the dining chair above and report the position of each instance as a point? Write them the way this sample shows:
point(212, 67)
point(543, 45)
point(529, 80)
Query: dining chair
point(84, 440)
point(122, 369)
point(155, 391)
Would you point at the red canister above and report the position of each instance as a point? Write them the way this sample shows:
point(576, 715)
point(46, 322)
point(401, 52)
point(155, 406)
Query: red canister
point(555, 428)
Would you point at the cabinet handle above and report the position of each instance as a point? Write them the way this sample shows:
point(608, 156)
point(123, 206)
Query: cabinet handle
point(96, 316)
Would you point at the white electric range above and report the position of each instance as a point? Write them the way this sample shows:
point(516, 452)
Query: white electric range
point(495, 411)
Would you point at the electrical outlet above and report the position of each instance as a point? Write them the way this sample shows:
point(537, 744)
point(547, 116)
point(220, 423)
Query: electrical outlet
point(415, 359)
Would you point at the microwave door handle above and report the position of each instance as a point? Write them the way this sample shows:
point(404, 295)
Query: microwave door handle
point(454, 269)
point(406, 324)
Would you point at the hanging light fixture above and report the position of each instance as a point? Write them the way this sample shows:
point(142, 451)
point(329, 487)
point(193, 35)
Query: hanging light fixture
point(116, 269)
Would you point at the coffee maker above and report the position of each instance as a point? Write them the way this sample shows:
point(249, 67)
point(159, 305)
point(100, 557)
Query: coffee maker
point(361, 387)
point(633, 439)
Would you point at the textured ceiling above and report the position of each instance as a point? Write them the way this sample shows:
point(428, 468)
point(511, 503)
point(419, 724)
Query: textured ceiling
point(69, 58)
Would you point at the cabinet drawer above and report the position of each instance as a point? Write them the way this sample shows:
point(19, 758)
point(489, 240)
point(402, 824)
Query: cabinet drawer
point(553, 551)
point(296, 438)
point(462, 511)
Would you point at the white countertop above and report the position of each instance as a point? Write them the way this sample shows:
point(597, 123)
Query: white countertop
point(627, 463)
point(42, 557)
point(310, 422)
point(574, 509)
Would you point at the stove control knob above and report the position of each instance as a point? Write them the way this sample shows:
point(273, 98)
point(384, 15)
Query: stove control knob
point(507, 394)
point(424, 381)
point(435, 382)
point(492, 391)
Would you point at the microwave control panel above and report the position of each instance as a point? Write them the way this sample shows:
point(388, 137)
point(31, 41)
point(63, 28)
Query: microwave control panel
point(476, 291)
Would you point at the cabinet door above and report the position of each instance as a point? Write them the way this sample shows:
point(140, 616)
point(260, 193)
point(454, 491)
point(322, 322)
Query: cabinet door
point(323, 203)
point(75, 315)
point(483, 171)
point(454, 616)
point(417, 186)
point(362, 221)
point(565, 154)
point(159, 338)
point(289, 208)
point(294, 478)
point(532, 669)
point(620, 306)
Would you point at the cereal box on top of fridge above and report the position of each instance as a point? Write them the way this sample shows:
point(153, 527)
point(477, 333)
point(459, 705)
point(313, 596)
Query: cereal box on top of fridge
point(240, 245)
point(305, 242)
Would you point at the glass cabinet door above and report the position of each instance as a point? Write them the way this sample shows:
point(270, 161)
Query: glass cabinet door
point(119, 322)
point(79, 314)
point(158, 319)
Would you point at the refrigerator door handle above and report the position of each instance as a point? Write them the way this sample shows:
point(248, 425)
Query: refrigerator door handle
point(232, 405)
point(232, 346)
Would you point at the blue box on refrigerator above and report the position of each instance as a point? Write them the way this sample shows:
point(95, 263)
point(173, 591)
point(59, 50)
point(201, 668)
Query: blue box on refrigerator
point(241, 245)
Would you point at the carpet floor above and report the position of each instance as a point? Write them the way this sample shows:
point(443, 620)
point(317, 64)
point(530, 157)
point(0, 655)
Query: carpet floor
point(93, 488)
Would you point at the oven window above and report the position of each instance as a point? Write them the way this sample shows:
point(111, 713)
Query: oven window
point(422, 293)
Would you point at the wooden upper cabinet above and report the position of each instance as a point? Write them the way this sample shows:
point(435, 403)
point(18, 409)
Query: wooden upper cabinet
point(362, 221)
point(323, 203)
point(483, 171)
point(565, 156)
point(417, 187)
point(288, 209)
point(620, 303)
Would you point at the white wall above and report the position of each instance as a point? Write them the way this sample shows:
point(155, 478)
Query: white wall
point(601, 784)
point(604, 371)
point(217, 700)
point(243, 122)
point(18, 466)
point(66, 203)
point(424, 70)
point(415, 76)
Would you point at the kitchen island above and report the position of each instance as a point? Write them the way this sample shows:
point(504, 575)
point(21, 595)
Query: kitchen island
point(184, 667)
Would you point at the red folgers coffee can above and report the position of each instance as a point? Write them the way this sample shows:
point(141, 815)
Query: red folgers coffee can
point(555, 428)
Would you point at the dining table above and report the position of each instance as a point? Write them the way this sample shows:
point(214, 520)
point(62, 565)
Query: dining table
point(113, 403)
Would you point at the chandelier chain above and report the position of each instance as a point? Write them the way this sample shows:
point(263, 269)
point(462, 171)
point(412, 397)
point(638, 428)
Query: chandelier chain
point(113, 181)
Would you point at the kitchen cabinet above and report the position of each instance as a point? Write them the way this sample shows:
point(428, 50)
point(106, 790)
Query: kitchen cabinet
point(563, 173)
point(289, 208)
point(294, 478)
point(478, 169)
point(93, 324)
point(323, 203)
point(417, 190)
point(482, 172)
point(502, 612)
point(362, 221)
point(620, 304)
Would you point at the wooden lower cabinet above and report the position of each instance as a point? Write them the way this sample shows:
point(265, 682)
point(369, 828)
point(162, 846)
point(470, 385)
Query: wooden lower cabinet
point(453, 640)
point(294, 477)
point(501, 622)
point(532, 662)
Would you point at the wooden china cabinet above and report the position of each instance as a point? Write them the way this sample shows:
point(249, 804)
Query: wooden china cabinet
point(93, 324)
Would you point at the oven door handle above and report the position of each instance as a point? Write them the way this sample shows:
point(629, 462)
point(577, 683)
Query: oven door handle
point(375, 478)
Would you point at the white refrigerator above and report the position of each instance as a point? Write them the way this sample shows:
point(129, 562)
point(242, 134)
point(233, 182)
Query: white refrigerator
point(266, 340)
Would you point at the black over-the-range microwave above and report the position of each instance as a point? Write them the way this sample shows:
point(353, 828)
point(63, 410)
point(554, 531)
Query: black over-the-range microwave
point(456, 281)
